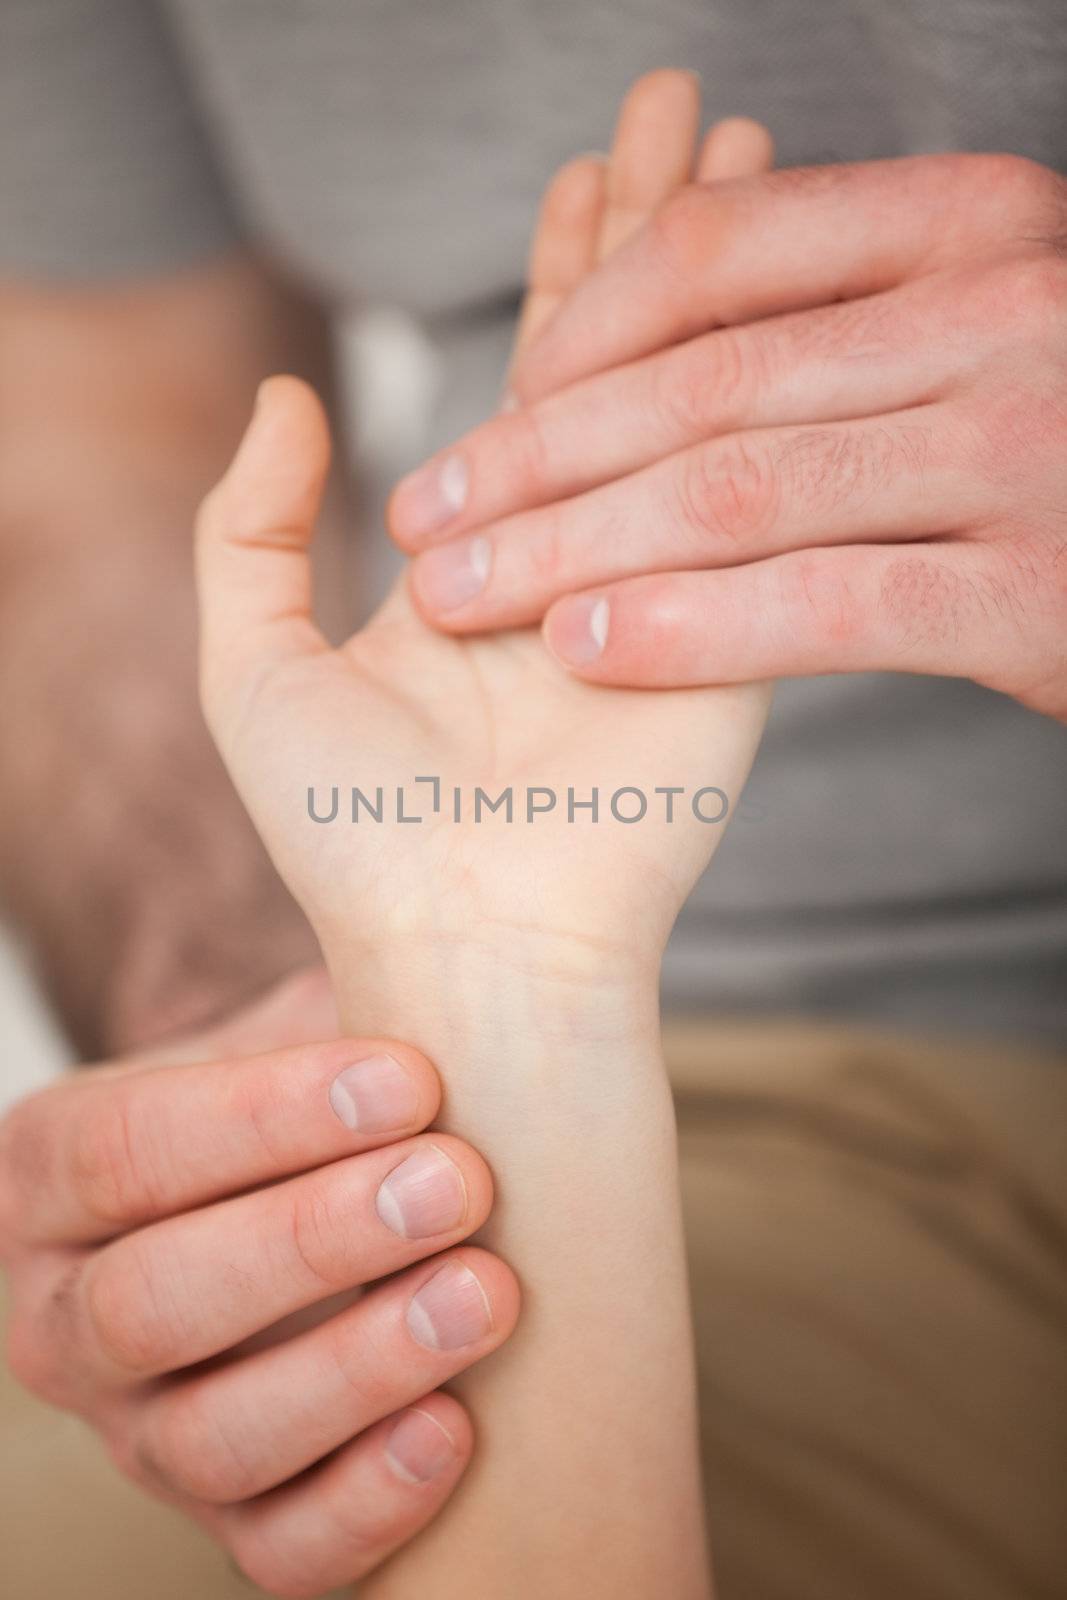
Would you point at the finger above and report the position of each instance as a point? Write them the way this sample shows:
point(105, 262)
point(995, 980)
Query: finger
point(785, 370)
point(865, 608)
point(737, 147)
point(101, 1153)
point(591, 204)
point(564, 246)
point(187, 1288)
point(729, 253)
point(652, 152)
point(735, 499)
point(213, 1438)
point(348, 1516)
point(253, 535)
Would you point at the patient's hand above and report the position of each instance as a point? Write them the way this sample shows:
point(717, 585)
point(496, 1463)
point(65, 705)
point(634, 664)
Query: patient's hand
point(399, 701)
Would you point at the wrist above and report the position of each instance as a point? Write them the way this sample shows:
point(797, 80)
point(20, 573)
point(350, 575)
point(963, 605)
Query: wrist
point(502, 1001)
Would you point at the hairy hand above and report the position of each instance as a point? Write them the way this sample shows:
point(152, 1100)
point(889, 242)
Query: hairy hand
point(805, 422)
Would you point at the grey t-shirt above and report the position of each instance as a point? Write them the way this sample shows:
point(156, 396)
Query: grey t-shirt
point(900, 851)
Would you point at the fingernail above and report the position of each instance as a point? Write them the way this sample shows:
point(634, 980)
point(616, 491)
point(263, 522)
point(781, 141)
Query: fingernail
point(419, 1448)
point(429, 498)
point(424, 1195)
point(449, 1310)
point(578, 630)
point(375, 1096)
point(509, 401)
point(453, 574)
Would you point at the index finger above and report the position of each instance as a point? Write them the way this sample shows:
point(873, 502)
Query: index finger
point(731, 252)
point(107, 1152)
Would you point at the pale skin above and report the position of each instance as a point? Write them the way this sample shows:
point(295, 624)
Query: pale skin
point(805, 422)
point(104, 1236)
point(525, 962)
point(133, 1200)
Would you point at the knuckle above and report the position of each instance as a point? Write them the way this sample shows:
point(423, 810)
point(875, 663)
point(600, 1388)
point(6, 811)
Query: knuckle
point(682, 229)
point(188, 1450)
point(107, 1167)
point(133, 1328)
point(1024, 182)
point(825, 468)
point(267, 1104)
point(529, 452)
point(367, 1367)
point(848, 331)
point(729, 492)
point(265, 1562)
point(1033, 292)
point(924, 601)
point(545, 555)
point(27, 1160)
point(321, 1229)
point(818, 591)
point(708, 382)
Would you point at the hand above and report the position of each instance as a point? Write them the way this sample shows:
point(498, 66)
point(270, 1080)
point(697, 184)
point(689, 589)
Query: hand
point(808, 422)
point(156, 1220)
point(523, 953)
point(398, 699)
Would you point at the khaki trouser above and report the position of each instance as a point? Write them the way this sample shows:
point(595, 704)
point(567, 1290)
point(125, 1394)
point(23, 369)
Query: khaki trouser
point(878, 1235)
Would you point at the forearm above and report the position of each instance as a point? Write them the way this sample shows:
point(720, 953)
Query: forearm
point(585, 1480)
point(126, 860)
point(128, 865)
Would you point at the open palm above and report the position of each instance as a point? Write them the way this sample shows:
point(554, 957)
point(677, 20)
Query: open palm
point(399, 701)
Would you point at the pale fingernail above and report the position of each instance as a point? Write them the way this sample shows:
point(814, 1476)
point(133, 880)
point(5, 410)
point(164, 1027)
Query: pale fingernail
point(578, 629)
point(450, 1310)
point(419, 1447)
point(424, 1195)
point(509, 401)
point(453, 574)
point(375, 1096)
point(428, 499)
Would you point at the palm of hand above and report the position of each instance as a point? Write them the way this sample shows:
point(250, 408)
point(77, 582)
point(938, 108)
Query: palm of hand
point(398, 701)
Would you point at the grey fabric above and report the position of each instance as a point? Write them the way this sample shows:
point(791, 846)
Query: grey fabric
point(103, 165)
point(900, 855)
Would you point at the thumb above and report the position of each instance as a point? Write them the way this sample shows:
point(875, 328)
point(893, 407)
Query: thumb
point(252, 539)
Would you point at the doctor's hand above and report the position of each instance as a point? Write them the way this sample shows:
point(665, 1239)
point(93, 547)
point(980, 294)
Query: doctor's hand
point(810, 421)
point(182, 1237)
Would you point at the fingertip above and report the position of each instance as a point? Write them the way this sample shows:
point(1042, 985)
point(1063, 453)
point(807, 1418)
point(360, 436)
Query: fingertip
point(576, 630)
point(736, 147)
point(667, 89)
point(428, 1442)
point(575, 189)
point(499, 1285)
point(454, 1417)
point(426, 502)
point(446, 580)
point(475, 1173)
point(281, 462)
point(421, 1074)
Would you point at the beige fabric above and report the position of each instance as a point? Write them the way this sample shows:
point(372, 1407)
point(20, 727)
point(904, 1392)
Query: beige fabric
point(878, 1239)
point(879, 1248)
